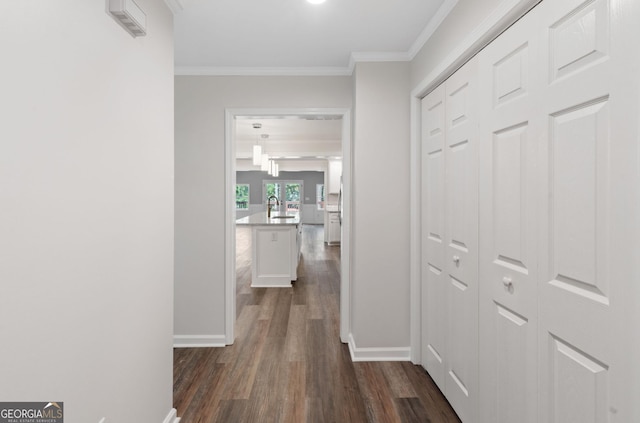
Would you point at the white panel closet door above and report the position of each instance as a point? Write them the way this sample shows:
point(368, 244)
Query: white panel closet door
point(510, 125)
point(588, 211)
point(461, 239)
point(450, 240)
point(559, 176)
point(434, 310)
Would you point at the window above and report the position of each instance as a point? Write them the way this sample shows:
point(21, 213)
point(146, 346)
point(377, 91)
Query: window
point(292, 197)
point(273, 188)
point(242, 197)
point(288, 193)
point(320, 196)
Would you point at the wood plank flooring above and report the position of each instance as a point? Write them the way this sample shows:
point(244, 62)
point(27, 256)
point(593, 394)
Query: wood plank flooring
point(288, 364)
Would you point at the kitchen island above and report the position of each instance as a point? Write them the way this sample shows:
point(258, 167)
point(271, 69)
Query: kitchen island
point(275, 245)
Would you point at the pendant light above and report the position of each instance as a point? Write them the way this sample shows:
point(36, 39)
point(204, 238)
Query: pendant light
point(257, 154)
point(276, 168)
point(263, 161)
point(257, 148)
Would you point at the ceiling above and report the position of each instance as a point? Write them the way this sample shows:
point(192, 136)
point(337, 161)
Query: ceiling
point(291, 137)
point(294, 37)
point(236, 36)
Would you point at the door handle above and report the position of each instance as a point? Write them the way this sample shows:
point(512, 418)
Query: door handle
point(508, 283)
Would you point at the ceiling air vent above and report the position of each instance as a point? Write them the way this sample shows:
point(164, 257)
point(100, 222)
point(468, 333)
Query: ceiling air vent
point(130, 16)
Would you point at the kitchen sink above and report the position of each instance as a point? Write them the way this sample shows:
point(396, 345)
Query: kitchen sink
point(282, 217)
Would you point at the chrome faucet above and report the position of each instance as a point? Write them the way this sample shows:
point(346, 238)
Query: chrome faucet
point(269, 205)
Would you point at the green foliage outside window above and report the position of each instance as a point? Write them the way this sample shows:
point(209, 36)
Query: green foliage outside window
point(273, 189)
point(293, 192)
point(242, 196)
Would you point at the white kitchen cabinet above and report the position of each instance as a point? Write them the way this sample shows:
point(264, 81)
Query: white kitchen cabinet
point(334, 175)
point(333, 227)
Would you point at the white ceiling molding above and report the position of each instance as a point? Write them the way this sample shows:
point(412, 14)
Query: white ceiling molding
point(377, 57)
point(431, 27)
point(380, 56)
point(407, 56)
point(175, 6)
point(229, 71)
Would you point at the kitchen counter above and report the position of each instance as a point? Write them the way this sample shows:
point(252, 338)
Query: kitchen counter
point(261, 219)
point(275, 245)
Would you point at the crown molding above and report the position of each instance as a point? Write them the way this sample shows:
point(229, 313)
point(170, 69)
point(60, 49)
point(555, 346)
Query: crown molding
point(358, 57)
point(175, 6)
point(432, 26)
point(248, 71)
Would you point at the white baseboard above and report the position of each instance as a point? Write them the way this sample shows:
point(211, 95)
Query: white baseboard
point(196, 341)
point(378, 354)
point(172, 417)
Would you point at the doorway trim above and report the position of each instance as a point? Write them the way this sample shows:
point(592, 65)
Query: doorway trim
point(230, 225)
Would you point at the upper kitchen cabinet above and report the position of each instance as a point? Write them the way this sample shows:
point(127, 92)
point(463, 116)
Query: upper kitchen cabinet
point(334, 175)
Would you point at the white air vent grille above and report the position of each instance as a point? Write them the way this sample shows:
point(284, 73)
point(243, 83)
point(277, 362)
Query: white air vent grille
point(130, 16)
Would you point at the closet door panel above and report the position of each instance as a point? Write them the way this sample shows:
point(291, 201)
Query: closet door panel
point(589, 152)
point(434, 305)
point(509, 132)
point(461, 249)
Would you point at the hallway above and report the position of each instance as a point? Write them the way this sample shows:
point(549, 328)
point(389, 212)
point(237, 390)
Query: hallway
point(287, 363)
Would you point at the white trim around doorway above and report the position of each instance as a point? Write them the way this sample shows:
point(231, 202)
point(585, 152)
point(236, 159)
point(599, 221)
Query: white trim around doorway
point(230, 239)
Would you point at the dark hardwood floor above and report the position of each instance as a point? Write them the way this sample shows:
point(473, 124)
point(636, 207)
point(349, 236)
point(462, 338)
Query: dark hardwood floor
point(287, 363)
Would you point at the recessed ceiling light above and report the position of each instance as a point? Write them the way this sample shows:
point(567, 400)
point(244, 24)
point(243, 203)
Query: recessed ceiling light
point(316, 1)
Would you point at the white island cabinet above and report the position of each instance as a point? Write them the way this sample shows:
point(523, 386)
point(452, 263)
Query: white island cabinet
point(275, 244)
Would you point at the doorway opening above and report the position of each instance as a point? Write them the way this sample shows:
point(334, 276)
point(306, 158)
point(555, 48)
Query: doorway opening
point(233, 116)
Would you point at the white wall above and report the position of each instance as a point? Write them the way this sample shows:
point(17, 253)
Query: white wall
point(380, 279)
point(86, 216)
point(200, 180)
